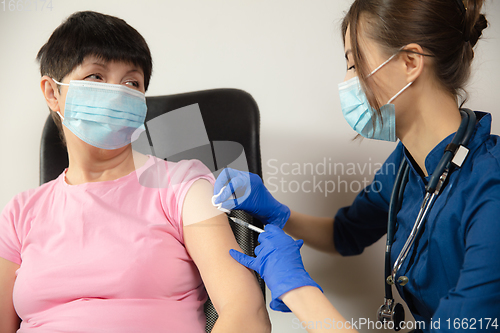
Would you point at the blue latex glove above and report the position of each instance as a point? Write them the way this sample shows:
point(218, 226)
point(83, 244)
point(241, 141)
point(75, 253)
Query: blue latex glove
point(255, 199)
point(279, 263)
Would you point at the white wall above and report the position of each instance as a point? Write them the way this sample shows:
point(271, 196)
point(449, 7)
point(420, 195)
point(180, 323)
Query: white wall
point(287, 53)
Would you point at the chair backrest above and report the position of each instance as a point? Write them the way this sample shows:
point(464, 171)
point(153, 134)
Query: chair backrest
point(228, 115)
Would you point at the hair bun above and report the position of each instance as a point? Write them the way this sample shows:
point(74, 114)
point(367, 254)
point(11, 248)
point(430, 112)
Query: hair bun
point(477, 30)
point(475, 22)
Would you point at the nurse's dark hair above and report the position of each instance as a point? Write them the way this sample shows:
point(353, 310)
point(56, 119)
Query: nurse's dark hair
point(440, 27)
point(90, 33)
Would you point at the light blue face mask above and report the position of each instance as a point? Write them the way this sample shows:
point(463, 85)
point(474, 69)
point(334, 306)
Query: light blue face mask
point(104, 115)
point(359, 113)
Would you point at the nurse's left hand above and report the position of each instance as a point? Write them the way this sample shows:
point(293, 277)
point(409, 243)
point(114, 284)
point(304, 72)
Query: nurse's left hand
point(279, 263)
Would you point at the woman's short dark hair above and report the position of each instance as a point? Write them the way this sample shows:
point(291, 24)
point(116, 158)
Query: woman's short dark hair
point(445, 29)
point(93, 34)
point(90, 33)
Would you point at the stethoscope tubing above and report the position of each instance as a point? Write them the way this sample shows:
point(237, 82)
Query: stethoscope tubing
point(433, 188)
point(422, 214)
point(396, 198)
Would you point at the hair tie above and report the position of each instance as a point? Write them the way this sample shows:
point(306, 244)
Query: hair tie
point(462, 6)
point(467, 36)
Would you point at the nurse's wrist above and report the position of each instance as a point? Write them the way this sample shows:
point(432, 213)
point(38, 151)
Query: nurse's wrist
point(299, 294)
point(297, 283)
point(280, 216)
point(298, 299)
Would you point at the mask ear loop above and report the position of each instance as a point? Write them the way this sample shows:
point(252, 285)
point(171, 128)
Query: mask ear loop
point(400, 92)
point(382, 65)
point(61, 84)
point(385, 62)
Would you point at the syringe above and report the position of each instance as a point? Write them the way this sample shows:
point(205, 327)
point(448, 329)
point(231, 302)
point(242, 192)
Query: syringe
point(246, 224)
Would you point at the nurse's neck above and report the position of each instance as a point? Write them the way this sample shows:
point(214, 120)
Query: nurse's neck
point(432, 117)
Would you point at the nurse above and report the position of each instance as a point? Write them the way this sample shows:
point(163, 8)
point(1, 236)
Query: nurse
point(407, 65)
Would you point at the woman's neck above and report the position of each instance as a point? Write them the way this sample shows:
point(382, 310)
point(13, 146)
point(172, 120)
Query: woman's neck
point(96, 165)
point(432, 118)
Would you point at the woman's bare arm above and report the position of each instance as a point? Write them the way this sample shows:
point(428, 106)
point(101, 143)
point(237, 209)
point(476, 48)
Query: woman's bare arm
point(233, 288)
point(9, 321)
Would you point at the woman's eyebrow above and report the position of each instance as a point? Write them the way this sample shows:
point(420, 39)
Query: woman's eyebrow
point(100, 63)
point(134, 70)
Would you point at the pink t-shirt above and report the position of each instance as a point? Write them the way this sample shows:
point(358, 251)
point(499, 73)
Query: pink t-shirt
point(105, 256)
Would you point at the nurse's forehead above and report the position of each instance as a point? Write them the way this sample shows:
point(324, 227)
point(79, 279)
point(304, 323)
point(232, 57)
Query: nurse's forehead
point(364, 42)
point(347, 42)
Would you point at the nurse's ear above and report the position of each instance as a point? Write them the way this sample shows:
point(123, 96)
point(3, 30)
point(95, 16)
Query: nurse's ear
point(414, 60)
point(51, 93)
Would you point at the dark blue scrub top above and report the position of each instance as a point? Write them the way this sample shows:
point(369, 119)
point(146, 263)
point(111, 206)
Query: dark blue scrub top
point(454, 264)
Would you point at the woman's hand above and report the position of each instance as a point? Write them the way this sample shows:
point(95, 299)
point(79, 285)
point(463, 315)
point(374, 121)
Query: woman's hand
point(279, 263)
point(254, 198)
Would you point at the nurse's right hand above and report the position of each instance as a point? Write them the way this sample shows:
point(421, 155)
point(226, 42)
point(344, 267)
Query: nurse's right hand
point(252, 197)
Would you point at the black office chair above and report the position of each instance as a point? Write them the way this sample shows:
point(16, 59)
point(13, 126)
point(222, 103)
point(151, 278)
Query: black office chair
point(228, 115)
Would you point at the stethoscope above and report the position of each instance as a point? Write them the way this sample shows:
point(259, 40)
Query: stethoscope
point(453, 157)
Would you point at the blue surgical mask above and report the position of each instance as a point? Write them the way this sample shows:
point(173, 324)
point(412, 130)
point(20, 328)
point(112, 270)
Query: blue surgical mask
point(104, 115)
point(359, 114)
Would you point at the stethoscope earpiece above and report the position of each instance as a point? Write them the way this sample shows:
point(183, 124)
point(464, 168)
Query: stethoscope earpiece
point(402, 280)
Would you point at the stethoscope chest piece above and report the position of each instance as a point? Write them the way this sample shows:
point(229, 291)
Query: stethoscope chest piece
point(391, 312)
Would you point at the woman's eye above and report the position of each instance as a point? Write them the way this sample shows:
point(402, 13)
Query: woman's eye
point(134, 84)
point(351, 68)
point(95, 77)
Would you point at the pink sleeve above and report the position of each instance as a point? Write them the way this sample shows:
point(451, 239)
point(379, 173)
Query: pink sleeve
point(10, 246)
point(182, 175)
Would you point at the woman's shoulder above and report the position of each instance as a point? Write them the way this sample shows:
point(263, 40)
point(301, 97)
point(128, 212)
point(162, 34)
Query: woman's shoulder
point(187, 170)
point(16, 216)
point(30, 197)
point(175, 178)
